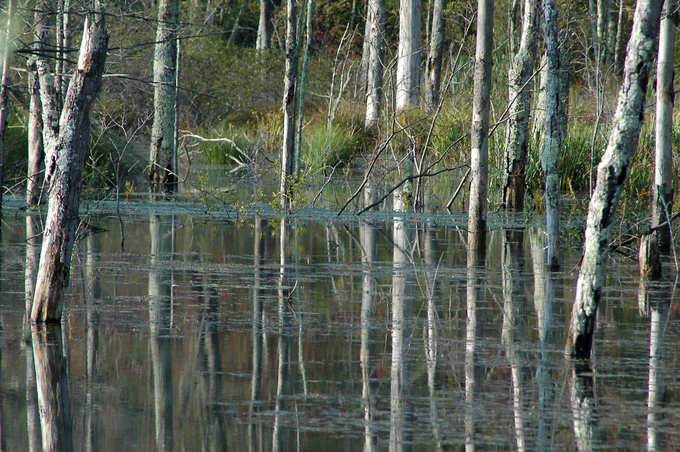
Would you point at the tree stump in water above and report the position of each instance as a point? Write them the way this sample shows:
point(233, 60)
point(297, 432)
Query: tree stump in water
point(649, 259)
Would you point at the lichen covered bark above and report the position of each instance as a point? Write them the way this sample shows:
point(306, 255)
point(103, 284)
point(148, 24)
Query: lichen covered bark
point(612, 173)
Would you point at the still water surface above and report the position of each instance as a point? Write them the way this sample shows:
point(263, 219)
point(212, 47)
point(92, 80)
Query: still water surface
point(288, 333)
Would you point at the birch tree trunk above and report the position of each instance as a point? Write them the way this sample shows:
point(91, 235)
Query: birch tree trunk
point(264, 29)
point(435, 57)
point(4, 94)
point(408, 54)
point(162, 175)
point(553, 134)
point(375, 23)
point(71, 146)
point(289, 83)
point(303, 85)
point(481, 102)
point(662, 193)
point(517, 147)
point(612, 173)
point(610, 44)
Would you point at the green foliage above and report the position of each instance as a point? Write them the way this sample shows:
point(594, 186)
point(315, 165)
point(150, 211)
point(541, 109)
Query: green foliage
point(328, 146)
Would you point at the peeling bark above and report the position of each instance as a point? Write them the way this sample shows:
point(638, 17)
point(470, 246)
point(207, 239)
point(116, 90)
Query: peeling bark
point(612, 174)
point(70, 146)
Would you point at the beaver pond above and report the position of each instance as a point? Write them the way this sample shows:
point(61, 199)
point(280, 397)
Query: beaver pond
point(246, 329)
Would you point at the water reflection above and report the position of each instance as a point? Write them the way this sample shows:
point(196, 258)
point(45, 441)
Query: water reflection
point(363, 309)
point(368, 244)
point(160, 327)
point(474, 334)
point(51, 378)
point(401, 394)
point(512, 261)
point(546, 289)
point(654, 299)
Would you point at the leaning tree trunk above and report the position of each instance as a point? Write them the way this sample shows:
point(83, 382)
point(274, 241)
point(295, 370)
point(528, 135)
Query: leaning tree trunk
point(376, 50)
point(662, 192)
point(612, 173)
point(481, 103)
point(71, 146)
point(408, 56)
point(435, 57)
point(4, 95)
point(289, 83)
point(162, 175)
point(517, 148)
point(553, 134)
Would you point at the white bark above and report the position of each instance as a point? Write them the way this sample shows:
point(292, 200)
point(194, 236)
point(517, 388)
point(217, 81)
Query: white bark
point(612, 174)
point(408, 54)
point(264, 38)
point(479, 156)
point(662, 192)
point(70, 146)
point(161, 172)
point(553, 134)
point(517, 147)
point(375, 24)
point(289, 83)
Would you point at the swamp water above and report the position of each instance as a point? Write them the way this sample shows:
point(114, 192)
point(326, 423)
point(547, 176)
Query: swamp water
point(308, 332)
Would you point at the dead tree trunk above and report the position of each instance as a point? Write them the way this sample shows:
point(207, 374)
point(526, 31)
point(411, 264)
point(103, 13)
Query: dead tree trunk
point(553, 134)
point(264, 29)
point(36, 154)
point(162, 176)
point(481, 102)
point(612, 173)
point(71, 146)
point(289, 82)
point(517, 148)
point(662, 193)
point(435, 57)
point(408, 59)
point(4, 95)
point(375, 24)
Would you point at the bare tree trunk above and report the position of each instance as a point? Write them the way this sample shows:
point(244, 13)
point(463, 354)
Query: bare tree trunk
point(237, 23)
point(264, 29)
point(36, 154)
point(479, 156)
point(376, 49)
point(289, 83)
point(435, 57)
point(162, 176)
point(517, 147)
point(612, 174)
point(303, 86)
point(71, 145)
point(618, 55)
point(553, 134)
point(662, 193)
point(408, 56)
point(610, 43)
point(4, 95)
